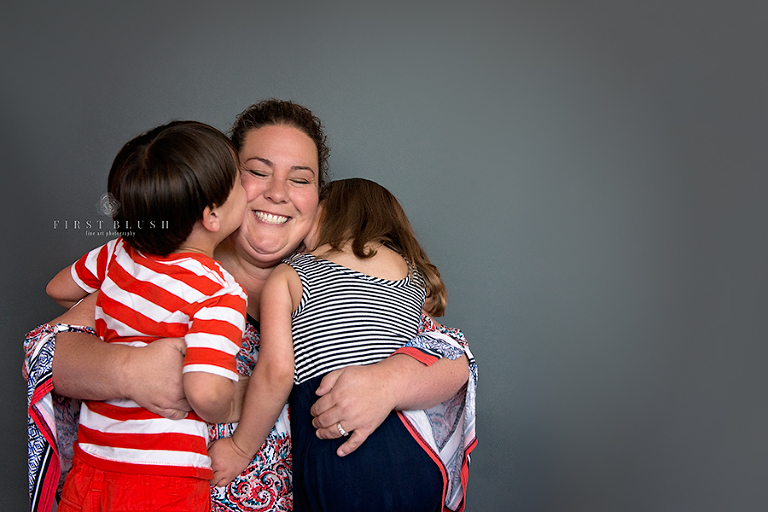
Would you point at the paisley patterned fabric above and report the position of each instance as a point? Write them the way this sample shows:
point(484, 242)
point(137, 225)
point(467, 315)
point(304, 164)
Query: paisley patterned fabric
point(447, 431)
point(51, 419)
point(266, 484)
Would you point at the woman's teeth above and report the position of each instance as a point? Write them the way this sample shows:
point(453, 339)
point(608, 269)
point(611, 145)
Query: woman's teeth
point(270, 218)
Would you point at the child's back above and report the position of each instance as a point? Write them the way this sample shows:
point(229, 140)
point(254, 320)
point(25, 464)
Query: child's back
point(144, 298)
point(361, 301)
point(353, 310)
point(178, 187)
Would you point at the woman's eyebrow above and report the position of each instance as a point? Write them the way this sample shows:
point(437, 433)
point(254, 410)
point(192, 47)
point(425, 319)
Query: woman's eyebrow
point(262, 160)
point(269, 163)
point(302, 168)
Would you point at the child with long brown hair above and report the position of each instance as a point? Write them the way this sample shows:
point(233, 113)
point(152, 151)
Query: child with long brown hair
point(354, 299)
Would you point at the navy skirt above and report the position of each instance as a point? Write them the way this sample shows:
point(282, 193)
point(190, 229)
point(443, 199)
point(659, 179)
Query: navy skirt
point(388, 472)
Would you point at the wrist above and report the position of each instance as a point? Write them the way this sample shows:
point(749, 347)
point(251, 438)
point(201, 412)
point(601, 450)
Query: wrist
point(125, 380)
point(392, 381)
point(242, 448)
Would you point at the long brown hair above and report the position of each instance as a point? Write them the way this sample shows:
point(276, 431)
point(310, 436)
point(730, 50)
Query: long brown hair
point(361, 211)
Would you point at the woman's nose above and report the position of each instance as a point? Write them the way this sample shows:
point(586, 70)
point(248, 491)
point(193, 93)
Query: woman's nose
point(276, 191)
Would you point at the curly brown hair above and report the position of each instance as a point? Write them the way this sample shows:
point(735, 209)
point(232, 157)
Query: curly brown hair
point(273, 112)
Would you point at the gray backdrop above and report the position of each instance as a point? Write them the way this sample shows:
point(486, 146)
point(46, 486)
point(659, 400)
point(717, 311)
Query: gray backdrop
point(588, 176)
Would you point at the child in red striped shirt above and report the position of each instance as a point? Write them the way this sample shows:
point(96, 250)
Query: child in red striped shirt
point(176, 194)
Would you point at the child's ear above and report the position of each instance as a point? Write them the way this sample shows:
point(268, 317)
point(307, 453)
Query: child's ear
point(211, 219)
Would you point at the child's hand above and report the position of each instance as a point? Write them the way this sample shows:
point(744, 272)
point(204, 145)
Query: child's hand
point(227, 461)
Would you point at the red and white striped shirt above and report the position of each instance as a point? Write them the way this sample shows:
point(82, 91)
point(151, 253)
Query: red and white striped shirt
point(144, 298)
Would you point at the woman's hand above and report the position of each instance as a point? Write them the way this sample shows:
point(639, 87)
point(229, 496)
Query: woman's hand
point(153, 377)
point(87, 368)
point(227, 461)
point(359, 398)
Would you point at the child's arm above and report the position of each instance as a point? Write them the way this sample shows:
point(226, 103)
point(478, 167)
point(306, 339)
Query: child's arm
point(64, 290)
point(213, 340)
point(210, 396)
point(82, 277)
point(271, 381)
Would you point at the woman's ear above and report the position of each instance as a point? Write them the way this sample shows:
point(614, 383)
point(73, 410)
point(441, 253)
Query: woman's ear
point(211, 220)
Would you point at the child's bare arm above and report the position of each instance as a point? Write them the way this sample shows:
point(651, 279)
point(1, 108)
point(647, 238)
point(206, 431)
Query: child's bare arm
point(64, 290)
point(270, 384)
point(272, 378)
point(213, 339)
point(211, 396)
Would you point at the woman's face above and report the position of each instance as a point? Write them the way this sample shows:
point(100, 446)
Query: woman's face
point(280, 176)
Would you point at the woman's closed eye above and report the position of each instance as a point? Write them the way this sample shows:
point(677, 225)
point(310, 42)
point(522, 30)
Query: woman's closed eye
point(302, 176)
point(257, 172)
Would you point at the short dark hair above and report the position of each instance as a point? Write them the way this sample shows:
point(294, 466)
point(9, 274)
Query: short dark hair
point(274, 112)
point(166, 177)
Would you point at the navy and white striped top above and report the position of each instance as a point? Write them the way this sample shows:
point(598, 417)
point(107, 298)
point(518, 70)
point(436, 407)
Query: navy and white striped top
point(349, 318)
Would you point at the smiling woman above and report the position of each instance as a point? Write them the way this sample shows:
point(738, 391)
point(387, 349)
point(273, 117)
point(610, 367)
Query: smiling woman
point(281, 176)
point(283, 163)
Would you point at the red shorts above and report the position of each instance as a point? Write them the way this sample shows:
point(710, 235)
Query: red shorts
point(90, 489)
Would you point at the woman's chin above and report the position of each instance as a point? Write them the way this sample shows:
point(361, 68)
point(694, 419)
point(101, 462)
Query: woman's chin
point(270, 254)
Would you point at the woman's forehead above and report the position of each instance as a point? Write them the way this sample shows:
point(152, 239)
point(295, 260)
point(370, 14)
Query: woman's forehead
point(282, 138)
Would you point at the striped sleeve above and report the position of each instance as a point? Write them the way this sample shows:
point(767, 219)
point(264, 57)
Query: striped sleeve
point(215, 334)
point(90, 270)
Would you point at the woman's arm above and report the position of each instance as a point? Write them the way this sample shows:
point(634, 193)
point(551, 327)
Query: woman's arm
point(87, 368)
point(361, 397)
